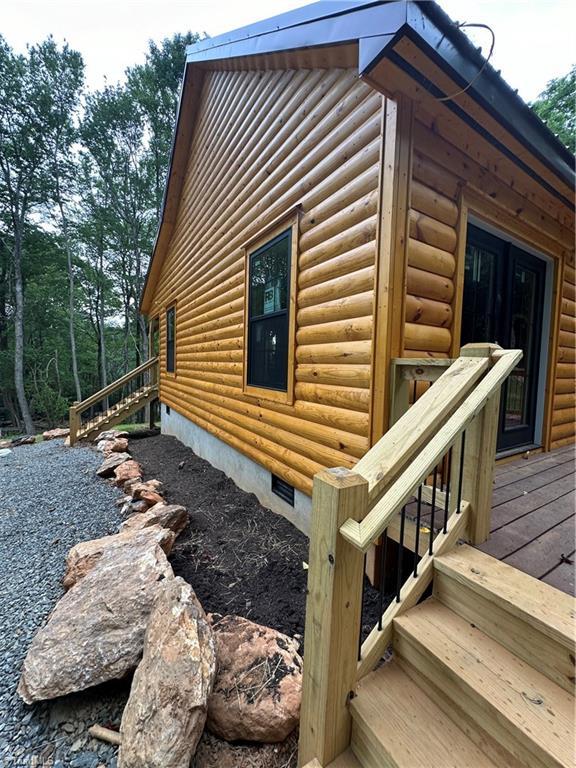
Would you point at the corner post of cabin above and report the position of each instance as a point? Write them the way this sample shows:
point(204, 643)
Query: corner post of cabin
point(333, 615)
point(480, 456)
point(73, 421)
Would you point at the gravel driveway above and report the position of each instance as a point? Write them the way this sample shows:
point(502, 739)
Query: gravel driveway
point(50, 499)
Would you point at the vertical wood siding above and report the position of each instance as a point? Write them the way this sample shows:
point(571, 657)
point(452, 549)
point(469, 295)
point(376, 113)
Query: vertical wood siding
point(265, 141)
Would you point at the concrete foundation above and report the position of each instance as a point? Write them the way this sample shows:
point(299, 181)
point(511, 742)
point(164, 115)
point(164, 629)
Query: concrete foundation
point(247, 474)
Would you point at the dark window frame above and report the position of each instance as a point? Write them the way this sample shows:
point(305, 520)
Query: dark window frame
point(286, 227)
point(170, 359)
point(252, 377)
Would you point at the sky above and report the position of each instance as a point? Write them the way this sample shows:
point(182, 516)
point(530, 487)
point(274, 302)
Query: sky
point(535, 39)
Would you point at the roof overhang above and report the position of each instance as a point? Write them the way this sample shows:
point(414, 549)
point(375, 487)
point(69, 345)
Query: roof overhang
point(376, 28)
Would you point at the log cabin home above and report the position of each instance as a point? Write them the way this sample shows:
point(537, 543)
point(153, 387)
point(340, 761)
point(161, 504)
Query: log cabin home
point(350, 184)
point(366, 261)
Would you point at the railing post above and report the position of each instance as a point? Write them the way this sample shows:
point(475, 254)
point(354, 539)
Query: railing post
point(333, 615)
point(74, 422)
point(480, 456)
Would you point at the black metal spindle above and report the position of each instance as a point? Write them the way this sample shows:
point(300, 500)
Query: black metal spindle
point(461, 473)
point(417, 535)
point(400, 553)
point(382, 585)
point(447, 491)
point(433, 510)
point(361, 610)
point(414, 390)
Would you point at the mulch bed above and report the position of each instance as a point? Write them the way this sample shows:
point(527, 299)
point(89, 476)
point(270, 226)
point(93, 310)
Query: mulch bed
point(239, 557)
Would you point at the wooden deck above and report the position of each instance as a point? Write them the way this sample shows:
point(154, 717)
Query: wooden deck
point(533, 524)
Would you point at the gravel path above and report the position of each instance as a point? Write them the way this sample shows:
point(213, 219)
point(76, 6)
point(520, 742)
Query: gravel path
point(50, 499)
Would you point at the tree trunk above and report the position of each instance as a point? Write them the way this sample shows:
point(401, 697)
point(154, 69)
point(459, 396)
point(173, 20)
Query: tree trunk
point(102, 344)
point(19, 335)
point(71, 330)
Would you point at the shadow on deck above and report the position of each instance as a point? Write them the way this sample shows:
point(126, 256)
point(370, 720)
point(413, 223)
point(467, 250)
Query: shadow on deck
point(533, 524)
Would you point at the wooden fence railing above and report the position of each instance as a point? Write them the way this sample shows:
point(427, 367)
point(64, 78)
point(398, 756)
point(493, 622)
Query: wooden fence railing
point(448, 433)
point(135, 388)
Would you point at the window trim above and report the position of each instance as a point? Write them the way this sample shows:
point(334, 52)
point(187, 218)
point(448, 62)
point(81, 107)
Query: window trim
point(287, 222)
point(168, 307)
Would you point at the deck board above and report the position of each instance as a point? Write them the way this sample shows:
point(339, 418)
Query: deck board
point(533, 526)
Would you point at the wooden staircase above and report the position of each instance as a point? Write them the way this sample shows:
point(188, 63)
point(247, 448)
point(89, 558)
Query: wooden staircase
point(481, 675)
point(136, 390)
point(479, 671)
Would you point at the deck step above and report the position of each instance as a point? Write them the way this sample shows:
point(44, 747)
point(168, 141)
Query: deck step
point(482, 682)
point(395, 724)
point(530, 618)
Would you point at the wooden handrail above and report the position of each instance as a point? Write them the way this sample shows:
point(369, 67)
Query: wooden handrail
point(352, 508)
point(385, 460)
point(101, 394)
point(363, 534)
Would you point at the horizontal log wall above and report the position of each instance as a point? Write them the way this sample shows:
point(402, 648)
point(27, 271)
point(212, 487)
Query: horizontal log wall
point(265, 141)
point(443, 175)
point(431, 259)
point(564, 404)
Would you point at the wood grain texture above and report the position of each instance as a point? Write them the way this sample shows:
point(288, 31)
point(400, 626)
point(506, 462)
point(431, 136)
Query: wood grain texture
point(265, 142)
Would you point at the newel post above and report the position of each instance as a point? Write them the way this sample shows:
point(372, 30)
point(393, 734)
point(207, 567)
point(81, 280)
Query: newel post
point(73, 422)
point(480, 456)
point(333, 615)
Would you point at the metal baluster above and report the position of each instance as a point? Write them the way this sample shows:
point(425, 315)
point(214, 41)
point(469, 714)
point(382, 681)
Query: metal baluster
point(383, 553)
point(417, 536)
point(447, 492)
point(361, 610)
point(433, 511)
point(461, 473)
point(414, 392)
point(400, 553)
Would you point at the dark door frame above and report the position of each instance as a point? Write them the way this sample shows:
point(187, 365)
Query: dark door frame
point(509, 255)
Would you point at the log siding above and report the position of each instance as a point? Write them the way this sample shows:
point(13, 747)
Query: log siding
point(265, 142)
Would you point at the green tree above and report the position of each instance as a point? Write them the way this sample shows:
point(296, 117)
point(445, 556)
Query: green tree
point(556, 106)
point(155, 87)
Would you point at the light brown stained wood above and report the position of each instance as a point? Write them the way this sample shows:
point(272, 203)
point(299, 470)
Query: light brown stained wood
point(411, 53)
point(434, 176)
point(265, 143)
point(430, 286)
point(427, 257)
point(462, 136)
point(333, 613)
point(428, 311)
point(426, 200)
point(349, 307)
point(563, 427)
point(354, 131)
point(432, 231)
point(336, 266)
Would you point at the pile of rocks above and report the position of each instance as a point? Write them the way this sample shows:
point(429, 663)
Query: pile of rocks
point(125, 611)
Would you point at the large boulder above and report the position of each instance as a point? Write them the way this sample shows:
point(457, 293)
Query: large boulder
point(127, 470)
point(166, 712)
point(118, 445)
point(258, 687)
point(111, 463)
point(147, 492)
point(84, 556)
point(96, 631)
point(110, 434)
point(171, 516)
point(54, 434)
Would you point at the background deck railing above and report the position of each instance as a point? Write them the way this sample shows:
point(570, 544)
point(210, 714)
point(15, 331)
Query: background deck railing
point(436, 461)
point(123, 397)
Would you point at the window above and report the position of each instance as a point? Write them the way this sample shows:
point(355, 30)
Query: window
point(268, 313)
point(270, 263)
point(170, 339)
